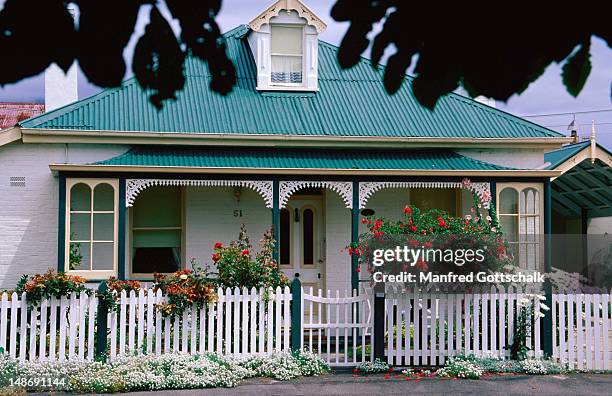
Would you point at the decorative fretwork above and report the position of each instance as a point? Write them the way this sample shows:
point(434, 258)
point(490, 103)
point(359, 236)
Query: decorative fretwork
point(287, 188)
point(288, 5)
point(367, 189)
point(136, 186)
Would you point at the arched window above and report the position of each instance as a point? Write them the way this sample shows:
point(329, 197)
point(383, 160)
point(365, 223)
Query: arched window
point(284, 237)
point(520, 217)
point(308, 236)
point(91, 231)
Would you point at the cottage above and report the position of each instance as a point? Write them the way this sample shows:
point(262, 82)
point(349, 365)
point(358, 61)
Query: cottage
point(109, 186)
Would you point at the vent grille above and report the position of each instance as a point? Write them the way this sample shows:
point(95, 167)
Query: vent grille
point(17, 181)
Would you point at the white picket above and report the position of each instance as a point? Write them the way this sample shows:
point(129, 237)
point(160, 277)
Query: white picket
point(81, 321)
point(253, 320)
point(150, 329)
point(571, 342)
point(220, 314)
point(3, 322)
point(13, 332)
point(244, 323)
point(132, 322)
point(43, 330)
point(580, 355)
point(52, 325)
point(33, 326)
point(236, 322)
point(92, 310)
point(606, 331)
point(588, 320)
point(598, 355)
point(123, 307)
point(278, 300)
point(64, 303)
point(158, 324)
point(140, 324)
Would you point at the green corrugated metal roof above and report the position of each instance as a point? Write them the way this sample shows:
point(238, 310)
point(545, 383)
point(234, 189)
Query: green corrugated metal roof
point(350, 103)
point(215, 157)
point(557, 157)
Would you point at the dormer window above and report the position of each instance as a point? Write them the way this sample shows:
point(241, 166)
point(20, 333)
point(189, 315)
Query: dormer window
point(284, 41)
point(287, 54)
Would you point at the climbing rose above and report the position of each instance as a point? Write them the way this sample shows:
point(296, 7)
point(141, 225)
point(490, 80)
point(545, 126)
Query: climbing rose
point(407, 210)
point(216, 257)
point(218, 245)
point(245, 252)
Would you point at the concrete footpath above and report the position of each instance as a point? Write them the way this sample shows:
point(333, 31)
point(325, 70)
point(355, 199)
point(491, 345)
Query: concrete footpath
point(347, 384)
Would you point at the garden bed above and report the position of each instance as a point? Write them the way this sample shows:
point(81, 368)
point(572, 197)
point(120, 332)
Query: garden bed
point(149, 372)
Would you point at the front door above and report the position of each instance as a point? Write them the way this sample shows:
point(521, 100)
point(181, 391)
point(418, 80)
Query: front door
point(302, 240)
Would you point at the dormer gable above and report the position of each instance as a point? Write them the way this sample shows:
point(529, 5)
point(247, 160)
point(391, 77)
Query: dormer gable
point(284, 41)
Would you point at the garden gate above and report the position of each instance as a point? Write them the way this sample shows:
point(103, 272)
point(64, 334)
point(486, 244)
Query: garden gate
point(339, 328)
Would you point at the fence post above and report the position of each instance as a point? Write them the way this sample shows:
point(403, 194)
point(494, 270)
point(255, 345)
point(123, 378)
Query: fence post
point(101, 330)
point(379, 321)
point(296, 313)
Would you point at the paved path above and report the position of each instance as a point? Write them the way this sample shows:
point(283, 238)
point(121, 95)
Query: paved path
point(346, 384)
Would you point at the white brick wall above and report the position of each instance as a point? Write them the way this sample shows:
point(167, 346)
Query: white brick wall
point(210, 218)
point(517, 158)
point(28, 216)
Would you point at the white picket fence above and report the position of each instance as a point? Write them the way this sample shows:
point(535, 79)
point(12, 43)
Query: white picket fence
point(583, 330)
point(240, 322)
point(420, 328)
point(427, 328)
point(338, 327)
point(57, 329)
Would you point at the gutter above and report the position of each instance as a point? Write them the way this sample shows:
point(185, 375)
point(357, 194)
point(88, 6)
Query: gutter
point(10, 135)
point(34, 135)
point(299, 171)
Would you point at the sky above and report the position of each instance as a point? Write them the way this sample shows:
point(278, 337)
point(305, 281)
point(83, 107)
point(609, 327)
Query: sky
point(545, 101)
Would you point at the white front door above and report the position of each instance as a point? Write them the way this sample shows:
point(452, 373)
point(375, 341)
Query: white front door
point(302, 240)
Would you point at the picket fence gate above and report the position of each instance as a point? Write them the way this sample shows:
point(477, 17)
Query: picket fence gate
point(338, 328)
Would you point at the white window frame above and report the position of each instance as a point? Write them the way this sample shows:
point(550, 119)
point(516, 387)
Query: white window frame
point(519, 188)
point(92, 183)
point(303, 56)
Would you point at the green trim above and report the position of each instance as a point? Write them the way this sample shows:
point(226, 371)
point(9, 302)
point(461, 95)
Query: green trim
point(276, 218)
point(296, 314)
point(547, 323)
point(121, 239)
point(61, 223)
point(355, 236)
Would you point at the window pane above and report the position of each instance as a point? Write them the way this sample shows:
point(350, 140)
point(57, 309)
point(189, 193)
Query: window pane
point(104, 227)
point(285, 237)
point(103, 256)
point(286, 69)
point(104, 197)
point(287, 40)
point(150, 260)
point(79, 256)
point(80, 197)
point(508, 201)
point(530, 201)
point(158, 207)
point(80, 226)
point(308, 236)
point(508, 224)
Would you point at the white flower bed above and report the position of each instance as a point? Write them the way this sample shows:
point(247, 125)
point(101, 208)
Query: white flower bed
point(377, 366)
point(150, 372)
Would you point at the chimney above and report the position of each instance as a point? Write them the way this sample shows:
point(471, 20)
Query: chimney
point(61, 88)
point(574, 136)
